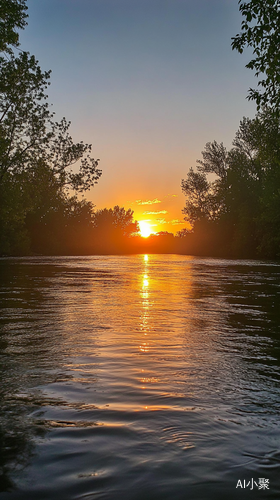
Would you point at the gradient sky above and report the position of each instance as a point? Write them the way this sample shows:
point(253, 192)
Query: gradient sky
point(147, 83)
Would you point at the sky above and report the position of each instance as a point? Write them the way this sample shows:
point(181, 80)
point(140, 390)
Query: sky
point(148, 83)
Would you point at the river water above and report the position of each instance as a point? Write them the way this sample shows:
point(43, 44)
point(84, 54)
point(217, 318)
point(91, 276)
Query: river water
point(139, 377)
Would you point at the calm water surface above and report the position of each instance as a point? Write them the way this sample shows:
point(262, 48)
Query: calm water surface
point(139, 377)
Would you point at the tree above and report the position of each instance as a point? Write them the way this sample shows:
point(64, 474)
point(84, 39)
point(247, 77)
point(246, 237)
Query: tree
point(34, 148)
point(260, 31)
point(12, 18)
point(28, 132)
point(203, 198)
point(214, 160)
point(113, 229)
point(183, 233)
point(57, 223)
point(116, 220)
point(241, 205)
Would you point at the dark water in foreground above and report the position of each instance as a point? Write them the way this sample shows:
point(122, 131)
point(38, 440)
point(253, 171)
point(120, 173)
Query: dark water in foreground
point(139, 377)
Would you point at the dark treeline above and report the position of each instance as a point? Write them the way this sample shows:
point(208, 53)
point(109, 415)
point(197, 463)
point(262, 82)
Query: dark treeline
point(233, 197)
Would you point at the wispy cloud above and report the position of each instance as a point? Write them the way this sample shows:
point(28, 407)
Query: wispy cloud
point(161, 221)
point(156, 213)
point(177, 221)
point(147, 202)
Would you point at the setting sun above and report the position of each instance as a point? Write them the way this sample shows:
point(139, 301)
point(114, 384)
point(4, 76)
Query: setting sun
point(145, 229)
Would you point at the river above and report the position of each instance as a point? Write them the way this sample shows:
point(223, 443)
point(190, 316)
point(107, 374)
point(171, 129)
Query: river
point(151, 377)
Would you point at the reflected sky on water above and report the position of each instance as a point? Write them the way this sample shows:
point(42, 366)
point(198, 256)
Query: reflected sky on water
point(151, 376)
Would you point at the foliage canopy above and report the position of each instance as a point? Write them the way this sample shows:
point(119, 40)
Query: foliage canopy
point(260, 31)
point(12, 17)
point(242, 203)
point(35, 149)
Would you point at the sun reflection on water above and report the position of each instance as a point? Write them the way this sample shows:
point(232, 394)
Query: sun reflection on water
point(145, 314)
point(145, 281)
point(144, 347)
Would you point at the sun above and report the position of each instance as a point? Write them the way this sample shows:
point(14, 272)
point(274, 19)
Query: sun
point(145, 229)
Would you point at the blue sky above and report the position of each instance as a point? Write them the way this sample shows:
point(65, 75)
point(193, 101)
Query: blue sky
point(148, 83)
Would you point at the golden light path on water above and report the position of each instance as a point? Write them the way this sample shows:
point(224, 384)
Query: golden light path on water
point(151, 289)
point(144, 347)
point(144, 329)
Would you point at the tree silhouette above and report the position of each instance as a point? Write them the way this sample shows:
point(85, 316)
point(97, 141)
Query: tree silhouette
point(239, 208)
point(260, 31)
point(12, 18)
point(34, 148)
point(113, 226)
